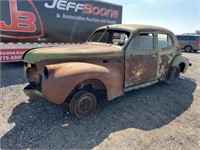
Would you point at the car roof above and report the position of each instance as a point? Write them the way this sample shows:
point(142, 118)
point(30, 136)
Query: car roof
point(134, 27)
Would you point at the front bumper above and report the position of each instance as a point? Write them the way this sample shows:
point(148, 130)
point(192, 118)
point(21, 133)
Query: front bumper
point(31, 91)
point(35, 79)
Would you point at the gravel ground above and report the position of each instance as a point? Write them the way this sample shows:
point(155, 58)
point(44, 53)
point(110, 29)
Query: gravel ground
point(156, 117)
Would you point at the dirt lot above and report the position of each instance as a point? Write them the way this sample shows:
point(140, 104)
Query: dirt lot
point(156, 117)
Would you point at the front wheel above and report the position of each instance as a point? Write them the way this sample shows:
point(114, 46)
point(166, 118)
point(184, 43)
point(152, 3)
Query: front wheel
point(82, 104)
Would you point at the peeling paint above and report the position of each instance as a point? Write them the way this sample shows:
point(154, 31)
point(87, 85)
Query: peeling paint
point(140, 69)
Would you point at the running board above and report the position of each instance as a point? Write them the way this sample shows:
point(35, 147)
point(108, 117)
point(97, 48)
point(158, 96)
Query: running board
point(127, 89)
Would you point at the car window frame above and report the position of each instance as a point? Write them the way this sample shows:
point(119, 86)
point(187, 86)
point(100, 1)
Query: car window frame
point(143, 32)
point(166, 48)
point(112, 29)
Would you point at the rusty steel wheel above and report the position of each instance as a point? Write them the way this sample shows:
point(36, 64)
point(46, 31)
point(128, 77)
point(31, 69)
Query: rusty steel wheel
point(73, 101)
point(85, 103)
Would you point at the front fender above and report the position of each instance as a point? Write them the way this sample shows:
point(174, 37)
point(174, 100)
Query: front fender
point(180, 60)
point(63, 77)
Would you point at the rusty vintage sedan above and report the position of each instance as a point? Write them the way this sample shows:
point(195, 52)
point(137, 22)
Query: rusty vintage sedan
point(115, 59)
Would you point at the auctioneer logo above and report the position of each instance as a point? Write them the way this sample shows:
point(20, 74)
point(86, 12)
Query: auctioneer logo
point(20, 23)
point(86, 8)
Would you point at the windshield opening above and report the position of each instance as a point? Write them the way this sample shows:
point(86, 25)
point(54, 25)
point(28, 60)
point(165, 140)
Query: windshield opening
point(108, 36)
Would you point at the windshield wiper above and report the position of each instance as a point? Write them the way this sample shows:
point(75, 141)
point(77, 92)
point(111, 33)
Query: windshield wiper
point(103, 34)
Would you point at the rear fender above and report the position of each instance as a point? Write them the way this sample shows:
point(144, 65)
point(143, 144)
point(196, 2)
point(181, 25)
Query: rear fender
point(182, 62)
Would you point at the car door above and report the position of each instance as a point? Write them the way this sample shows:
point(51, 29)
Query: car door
point(166, 52)
point(141, 59)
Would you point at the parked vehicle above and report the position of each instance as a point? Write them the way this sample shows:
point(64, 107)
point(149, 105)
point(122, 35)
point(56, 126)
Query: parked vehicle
point(26, 24)
point(115, 59)
point(189, 43)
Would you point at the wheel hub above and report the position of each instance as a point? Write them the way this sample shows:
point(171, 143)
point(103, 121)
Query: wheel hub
point(82, 104)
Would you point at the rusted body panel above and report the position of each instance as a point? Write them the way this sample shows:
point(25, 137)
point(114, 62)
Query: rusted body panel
point(165, 58)
point(140, 69)
point(64, 77)
point(165, 65)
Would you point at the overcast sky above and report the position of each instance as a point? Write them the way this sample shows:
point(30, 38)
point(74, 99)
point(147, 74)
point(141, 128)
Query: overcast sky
point(180, 16)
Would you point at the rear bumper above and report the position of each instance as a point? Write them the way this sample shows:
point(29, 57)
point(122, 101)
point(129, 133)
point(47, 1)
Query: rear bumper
point(32, 92)
point(196, 47)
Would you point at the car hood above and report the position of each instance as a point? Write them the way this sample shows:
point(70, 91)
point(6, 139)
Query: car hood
point(73, 51)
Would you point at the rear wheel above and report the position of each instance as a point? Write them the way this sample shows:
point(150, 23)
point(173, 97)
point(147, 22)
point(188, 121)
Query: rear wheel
point(82, 104)
point(173, 75)
point(188, 48)
point(177, 73)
